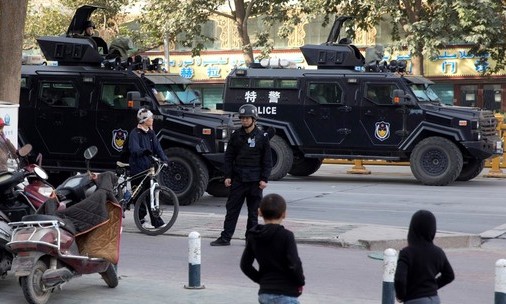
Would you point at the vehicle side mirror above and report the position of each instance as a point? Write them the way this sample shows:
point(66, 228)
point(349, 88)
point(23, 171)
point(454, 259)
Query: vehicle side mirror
point(401, 98)
point(135, 101)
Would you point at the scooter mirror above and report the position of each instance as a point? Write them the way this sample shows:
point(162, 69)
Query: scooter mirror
point(40, 172)
point(25, 150)
point(90, 152)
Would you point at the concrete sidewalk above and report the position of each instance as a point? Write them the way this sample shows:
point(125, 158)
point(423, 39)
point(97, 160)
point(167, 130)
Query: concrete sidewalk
point(352, 235)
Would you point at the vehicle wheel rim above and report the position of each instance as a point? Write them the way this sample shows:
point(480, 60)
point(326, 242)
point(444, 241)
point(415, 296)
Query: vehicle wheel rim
point(38, 288)
point(434, 162)
point(177, 177)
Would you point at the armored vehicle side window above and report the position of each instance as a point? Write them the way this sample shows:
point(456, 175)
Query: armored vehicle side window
point(58, 94)
point(380, 93)
point(288, 83)
point(114, 95)
point(239, 83)
point(263, 83)
point(325, 93)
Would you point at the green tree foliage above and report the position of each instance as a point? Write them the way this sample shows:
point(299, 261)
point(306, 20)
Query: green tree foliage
point(43, 20)
point(423, 27)
point(52, 20)
point(185, 20)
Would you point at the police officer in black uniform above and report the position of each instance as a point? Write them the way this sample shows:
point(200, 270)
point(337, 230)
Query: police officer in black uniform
point(248, 164)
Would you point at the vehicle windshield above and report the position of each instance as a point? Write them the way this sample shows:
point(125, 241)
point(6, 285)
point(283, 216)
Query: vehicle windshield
point(424, 92)
point(175, 94)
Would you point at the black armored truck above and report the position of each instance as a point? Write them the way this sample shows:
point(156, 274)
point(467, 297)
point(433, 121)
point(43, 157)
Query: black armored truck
point(351, 107)
point(83, 96)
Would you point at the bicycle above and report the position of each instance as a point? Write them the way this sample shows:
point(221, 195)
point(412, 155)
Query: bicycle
point(158, 203)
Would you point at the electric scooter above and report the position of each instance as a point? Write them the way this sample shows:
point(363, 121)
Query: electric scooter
point(52, 249)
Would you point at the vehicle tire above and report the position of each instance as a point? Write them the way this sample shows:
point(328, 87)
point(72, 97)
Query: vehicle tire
point(33, 289)
point(436, 161)
point(110, 276)
point(169, 209)
point(282, 158)
point(471, 169)
point(216, 187)
point(305, 166)
point(187, 175)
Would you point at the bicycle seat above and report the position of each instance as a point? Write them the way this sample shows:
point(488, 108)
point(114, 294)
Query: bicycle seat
point(121, 164)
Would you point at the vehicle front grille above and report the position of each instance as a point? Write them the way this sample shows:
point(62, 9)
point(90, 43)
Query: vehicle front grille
point(488, 124)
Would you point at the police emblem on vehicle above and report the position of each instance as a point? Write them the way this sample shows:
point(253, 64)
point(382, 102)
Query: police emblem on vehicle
point(382, 130)
point(119, 137)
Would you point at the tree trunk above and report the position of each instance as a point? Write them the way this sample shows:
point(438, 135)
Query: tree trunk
point(12, 25)
point(241, 22)
point(417, 62)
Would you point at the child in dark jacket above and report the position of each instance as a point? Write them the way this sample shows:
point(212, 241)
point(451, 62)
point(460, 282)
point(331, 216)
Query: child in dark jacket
point(422, 267)
point(280, 273)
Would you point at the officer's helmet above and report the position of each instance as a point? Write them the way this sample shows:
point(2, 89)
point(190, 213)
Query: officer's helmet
point(248, 110)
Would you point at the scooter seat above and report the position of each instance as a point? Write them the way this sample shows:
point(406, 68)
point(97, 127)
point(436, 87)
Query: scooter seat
point(44, 217)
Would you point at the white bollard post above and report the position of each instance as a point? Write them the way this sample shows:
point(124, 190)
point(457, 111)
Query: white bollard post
point(194, 261)
point(500, 282)
point(389, 266)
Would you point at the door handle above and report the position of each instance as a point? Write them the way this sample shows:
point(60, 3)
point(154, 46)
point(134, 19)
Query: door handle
point(344, 109)
point(311, 112)
point(368, 113)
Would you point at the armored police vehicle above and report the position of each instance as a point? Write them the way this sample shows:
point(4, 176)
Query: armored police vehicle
point(348, 108)
point(86, 99)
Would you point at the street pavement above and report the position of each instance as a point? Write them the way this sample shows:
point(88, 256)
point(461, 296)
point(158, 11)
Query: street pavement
point(342, 264)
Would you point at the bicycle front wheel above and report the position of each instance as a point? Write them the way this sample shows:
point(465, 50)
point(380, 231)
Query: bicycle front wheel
point(160, 219)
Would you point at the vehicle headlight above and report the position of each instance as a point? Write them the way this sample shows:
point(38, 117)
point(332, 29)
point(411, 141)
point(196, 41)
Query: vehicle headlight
point(46, 191)
point(221, 133)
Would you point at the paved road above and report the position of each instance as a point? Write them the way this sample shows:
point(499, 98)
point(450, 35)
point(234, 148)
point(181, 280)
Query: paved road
point(389, 196)
point(155, 269)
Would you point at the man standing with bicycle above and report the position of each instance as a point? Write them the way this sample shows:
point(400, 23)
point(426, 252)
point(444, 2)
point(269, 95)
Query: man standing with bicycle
point(248, 164)
point(142, 143)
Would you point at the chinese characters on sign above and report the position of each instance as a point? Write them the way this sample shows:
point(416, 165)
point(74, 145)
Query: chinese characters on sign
point(272, 97)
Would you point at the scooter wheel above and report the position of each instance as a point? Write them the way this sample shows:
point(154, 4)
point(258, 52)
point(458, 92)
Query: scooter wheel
point(33, 289)
point(110, 276)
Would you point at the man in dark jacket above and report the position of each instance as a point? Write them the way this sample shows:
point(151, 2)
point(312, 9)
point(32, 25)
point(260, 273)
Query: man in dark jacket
point(248, 164)
point(142, 143)
point(279, 272)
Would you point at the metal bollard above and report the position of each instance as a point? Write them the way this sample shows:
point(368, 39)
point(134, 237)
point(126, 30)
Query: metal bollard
point(500, 282)
point(194, 261)
point(389, 266)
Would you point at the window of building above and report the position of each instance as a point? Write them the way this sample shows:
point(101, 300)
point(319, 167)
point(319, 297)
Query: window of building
point(492, 97)
point(209, 29)
point(325, 93)
point(58, 94)
point(316, 33)
point(469, 95)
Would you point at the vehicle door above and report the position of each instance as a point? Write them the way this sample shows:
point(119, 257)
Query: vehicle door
point(325, 112)
point(381, 120)
point(114, 118)
point(57, 116)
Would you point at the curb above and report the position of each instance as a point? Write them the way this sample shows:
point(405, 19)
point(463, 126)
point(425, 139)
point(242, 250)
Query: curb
point(345, 235)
